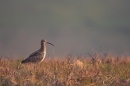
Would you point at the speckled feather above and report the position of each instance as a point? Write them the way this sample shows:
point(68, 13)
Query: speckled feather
point(34, 57)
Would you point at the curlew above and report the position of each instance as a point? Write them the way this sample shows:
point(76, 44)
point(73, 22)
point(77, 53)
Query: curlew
point(38, 56)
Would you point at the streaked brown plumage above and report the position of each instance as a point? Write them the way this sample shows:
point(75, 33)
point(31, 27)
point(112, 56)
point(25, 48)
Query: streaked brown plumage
point(38, 56)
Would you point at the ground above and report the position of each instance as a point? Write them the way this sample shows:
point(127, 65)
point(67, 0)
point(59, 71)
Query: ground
point(96, 70)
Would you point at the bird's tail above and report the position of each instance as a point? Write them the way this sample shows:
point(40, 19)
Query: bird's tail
point(24, 61)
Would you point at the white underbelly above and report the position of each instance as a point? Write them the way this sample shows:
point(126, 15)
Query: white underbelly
point(44, 55)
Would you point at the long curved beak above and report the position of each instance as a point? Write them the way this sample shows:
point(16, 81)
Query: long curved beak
point(50, 43)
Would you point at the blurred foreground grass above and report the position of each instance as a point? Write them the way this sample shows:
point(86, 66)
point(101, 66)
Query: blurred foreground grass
point(98, 70)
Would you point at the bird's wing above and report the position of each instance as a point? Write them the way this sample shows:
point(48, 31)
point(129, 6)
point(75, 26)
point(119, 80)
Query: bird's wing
point(34, 57)
point(36, 53)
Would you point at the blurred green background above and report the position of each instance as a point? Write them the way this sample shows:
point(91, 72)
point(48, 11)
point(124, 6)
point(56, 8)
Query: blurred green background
point(74, 26)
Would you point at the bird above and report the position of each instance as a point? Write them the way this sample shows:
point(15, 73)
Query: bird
point(39, 55)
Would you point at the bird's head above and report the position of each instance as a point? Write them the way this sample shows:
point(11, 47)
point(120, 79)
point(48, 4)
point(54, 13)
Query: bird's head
point(43, 41)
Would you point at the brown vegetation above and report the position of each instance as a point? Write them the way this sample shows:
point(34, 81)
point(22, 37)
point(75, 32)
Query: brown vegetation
point(97, 70)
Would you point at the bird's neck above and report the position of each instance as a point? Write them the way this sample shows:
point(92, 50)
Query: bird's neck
point(43, 47)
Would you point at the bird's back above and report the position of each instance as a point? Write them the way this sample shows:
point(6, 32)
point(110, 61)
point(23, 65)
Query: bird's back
point(34, 57)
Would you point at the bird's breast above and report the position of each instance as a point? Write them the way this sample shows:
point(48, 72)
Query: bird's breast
point(43, 56)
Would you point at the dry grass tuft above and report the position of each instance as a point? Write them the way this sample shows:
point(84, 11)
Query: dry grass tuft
point(96, 70)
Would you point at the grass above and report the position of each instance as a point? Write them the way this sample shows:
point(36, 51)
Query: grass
point(97, 70)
